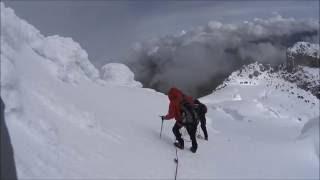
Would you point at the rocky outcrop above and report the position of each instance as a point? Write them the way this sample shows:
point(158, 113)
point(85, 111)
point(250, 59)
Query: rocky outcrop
point(303, 53)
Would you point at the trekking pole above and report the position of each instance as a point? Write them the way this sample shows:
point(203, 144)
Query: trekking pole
point(176, 160)
point(161, 126)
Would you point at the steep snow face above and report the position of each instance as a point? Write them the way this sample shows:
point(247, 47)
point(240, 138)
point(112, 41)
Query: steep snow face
point(69, 62)
point(64, 124)
point(16, 32)
point(72, 63)
point(119, 74)
point(305, 48)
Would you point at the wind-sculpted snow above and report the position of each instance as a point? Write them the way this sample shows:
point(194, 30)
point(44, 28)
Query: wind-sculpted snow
point(120, 74)
point(70, 61)
point(15, 31)
point(199, 59)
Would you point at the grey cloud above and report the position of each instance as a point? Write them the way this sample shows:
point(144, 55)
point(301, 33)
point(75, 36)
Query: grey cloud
point(107, 29)
point(198, 60)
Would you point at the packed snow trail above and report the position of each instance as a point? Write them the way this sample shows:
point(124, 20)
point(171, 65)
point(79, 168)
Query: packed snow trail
point(66, 122)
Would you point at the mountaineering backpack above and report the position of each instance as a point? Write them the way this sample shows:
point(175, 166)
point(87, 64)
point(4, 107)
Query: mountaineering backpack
point(200, 109)
point(189, 115)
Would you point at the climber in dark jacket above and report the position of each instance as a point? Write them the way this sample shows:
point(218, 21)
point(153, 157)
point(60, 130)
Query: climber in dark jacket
point(201, 109)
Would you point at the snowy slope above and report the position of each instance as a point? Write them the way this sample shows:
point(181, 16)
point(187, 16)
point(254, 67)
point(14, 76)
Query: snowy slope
point(259, 122)
point(66, 122)
point(62, 119)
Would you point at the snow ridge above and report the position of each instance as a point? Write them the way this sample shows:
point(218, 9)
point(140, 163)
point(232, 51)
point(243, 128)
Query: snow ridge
point(303, 77)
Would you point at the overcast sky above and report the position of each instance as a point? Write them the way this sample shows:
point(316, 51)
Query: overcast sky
point(107, 29)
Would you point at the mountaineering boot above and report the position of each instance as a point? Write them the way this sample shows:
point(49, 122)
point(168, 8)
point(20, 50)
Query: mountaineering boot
point(179, 145)
point(193, 149)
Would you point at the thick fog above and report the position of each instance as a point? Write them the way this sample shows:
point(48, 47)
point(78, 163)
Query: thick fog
point(198, 60)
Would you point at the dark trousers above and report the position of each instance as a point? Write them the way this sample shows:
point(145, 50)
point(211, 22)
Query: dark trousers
point(191, 129)
point(203, 127)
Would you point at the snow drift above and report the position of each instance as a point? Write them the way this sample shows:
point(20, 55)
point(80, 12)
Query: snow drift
point(62, 117)
point(70, 62)
point(70, 59)
point(119, 74)
point(66, 122)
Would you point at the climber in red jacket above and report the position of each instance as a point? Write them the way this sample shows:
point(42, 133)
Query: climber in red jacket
point(176, 98)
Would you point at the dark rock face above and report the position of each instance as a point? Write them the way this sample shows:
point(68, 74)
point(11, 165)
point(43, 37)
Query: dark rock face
point(304, 60)
point(304, 77)
point(8, 168)
point(304, 80)
point(304, 54)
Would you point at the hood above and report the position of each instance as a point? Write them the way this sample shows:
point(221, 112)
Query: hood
point(175, 93)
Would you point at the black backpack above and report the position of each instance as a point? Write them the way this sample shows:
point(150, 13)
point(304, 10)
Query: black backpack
point(189, 115)
point(201, 109)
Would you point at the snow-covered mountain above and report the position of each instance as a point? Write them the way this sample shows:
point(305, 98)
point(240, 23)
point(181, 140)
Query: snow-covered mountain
point(67, 122)
point(263, 112)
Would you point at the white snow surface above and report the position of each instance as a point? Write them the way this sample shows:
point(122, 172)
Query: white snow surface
point(72, 126)
point(72, 63)
point(119, 74)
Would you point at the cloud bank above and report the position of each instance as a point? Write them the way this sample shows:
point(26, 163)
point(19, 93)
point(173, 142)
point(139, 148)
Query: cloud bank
point(198, 60)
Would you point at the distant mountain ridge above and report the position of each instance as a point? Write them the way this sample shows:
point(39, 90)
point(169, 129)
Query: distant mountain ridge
point(303, 77)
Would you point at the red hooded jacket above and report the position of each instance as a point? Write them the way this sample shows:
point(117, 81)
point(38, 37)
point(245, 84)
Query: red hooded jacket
point(176, 96)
